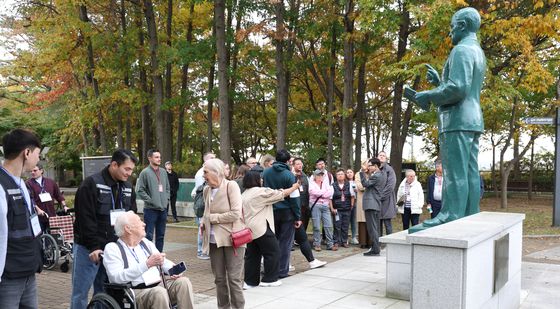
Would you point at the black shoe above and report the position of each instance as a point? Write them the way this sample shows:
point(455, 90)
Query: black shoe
point(371, 253)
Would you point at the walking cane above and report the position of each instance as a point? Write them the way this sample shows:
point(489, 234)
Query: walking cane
point(165, 285)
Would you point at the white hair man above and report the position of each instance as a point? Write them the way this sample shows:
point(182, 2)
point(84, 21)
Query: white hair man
point(133, 258)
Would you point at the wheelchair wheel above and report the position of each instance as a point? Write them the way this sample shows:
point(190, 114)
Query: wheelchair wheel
point(102, 300)
point(50, 251)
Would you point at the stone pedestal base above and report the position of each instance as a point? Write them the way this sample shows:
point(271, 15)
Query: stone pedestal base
point(473, 262)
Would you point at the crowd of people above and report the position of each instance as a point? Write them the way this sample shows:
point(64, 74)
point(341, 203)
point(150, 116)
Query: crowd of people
point(274, 198)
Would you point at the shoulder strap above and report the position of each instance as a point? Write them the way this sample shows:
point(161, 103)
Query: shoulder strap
point(123, 254)
point(229, 203)
point(143, 244)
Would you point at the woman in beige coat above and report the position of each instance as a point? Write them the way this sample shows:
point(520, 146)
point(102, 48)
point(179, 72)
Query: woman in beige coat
point(363, 238)
point(259, 217)
point(222, 215)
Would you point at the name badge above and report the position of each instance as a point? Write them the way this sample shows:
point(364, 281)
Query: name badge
point(115, 213)
point(294, 194)
point(45, 197)
point(35, 225)
point(160, 188)
point(151, 276)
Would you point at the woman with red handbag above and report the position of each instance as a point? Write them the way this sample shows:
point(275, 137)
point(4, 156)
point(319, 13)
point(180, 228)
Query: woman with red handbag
point(259, 216)
point(222, 218)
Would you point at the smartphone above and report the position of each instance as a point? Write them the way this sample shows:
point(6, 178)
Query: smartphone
point(177, 269)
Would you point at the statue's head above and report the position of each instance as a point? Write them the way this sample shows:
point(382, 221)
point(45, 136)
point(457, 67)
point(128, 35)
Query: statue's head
point(464, 21)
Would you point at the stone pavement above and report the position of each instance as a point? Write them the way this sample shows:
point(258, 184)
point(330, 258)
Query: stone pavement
point(350, 280)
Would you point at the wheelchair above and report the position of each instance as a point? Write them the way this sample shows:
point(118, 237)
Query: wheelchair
point(57, 242)
point(118, 296)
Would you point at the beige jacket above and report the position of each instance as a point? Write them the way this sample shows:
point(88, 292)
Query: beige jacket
point(221, 216)
point(360, 216)
point(257, 205)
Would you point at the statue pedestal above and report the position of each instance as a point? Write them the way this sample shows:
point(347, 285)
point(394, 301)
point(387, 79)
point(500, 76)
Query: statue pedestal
point(399, 268)
point(473, 262)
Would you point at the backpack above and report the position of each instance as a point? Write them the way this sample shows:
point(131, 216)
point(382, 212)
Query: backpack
point(199, 201)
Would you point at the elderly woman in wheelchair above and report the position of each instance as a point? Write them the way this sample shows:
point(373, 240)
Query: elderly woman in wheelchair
point(135, 268)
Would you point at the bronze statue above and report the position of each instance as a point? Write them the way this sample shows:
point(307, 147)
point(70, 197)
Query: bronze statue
point(460, 123)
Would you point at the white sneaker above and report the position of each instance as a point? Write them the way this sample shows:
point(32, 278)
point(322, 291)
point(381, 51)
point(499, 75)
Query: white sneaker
point(354, 241)
point(291, 268)
point(316, 264)
point(247, 287)
point(271, 284)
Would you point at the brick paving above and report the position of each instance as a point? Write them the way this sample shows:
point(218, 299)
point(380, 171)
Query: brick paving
point(55, 286)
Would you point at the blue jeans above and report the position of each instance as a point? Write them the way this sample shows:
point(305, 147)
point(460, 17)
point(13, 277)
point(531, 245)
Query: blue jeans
point(158, 219)
point(19, 293)
point(353, 222)
point(284, 230)
point(85, 273)
point(198, 237)
point(322, 213)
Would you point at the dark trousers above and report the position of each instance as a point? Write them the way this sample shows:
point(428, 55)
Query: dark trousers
point(388, 226)
point(284, 228)
point(266, 247)
point(155, 219)
point(173, 204)
point(372, 224)
point(305, 216)
point(341, 227)
point(304, 246)
point(436, 207)
point(408, 218)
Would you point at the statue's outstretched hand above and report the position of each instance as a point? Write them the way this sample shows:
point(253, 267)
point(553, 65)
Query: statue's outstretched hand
point(423, 100)
point(432, 75)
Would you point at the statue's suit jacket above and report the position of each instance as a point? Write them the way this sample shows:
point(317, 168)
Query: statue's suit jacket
point(458, 94)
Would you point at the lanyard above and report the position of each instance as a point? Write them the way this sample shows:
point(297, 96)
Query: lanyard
point(42, 184)
point(120, 194)
point(157, 175)
point(133, 252)
point(31, 210)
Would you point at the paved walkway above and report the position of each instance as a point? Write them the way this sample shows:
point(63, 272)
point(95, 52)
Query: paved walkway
point(350, 280)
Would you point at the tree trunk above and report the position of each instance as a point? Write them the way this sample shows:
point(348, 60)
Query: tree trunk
point(184, 92)
point(145, 116)
point(348, 102)
point(531, 170)
point(225, 133)
point(396, 126)
point(516, 168)
point(93, 82)
point(168, 112)
point(126, 77)
point(281, 82)
point(210, 96)
point(494, 178)
point(330, 99)
point(360, 108)
point(156, 80)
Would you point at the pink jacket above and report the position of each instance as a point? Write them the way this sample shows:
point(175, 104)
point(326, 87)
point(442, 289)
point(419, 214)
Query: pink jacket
point(324, 192)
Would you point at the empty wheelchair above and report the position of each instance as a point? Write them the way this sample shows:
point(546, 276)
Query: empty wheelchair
point(57, 242)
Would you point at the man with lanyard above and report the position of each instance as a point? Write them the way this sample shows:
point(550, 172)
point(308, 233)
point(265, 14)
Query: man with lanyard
point(20, 248)
point(153, 188)
point(100, 199)
point(44, 192)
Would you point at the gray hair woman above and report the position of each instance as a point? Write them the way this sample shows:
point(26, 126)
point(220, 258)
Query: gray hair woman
point(222, 215)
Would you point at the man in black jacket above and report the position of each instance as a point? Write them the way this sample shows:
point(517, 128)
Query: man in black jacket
point(100, 199)
point(173, 188)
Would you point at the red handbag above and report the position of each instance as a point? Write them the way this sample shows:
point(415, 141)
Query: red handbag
point(243, 236)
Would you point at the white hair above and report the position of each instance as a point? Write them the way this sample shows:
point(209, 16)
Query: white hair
point(410, 172)
point(122, 221)
point(217, 166)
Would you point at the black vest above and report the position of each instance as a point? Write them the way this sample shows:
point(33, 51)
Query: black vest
point(337, 196)
point(23, 254)
point(106, 201)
